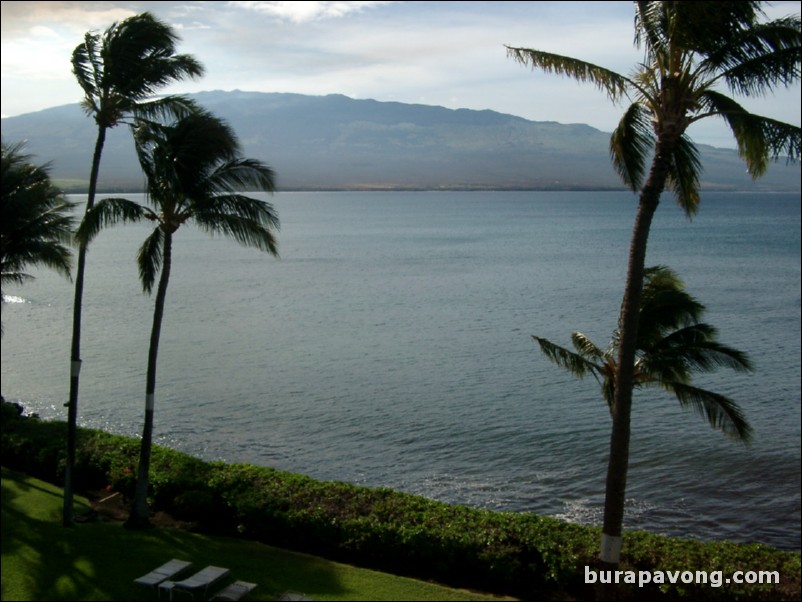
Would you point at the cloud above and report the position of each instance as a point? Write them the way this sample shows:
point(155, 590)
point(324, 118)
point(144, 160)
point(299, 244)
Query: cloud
point(18, 18)
point(302, 12)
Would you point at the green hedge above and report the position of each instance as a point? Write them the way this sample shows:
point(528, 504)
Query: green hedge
point(514, 553)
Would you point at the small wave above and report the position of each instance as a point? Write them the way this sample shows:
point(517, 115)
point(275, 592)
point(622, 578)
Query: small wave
point(582, 512)
point(13, 299)
point(586, 512)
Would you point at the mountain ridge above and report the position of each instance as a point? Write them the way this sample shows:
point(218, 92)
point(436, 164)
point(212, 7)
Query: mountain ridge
point(335, 142)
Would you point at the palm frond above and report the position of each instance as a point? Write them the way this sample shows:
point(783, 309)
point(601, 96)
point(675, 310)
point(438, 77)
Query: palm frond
point(758, 138)
point(53, 223)
point(48, 254)
point(163, 109)
point(105, 213)
point(87, 67)
point(149, 259)
point(246, 231)
point(17, 278)
point(720, 412)
point(631, 144)
point(782, 139)
point(704, 26)
point(242, 174)
point(146, 136)
point(240, 205)
point(163, 71)
point(683, 179)
point(614, 84)
point(760, 58)
point(668, 309)
point(650, 26)
point(587, 348)
point(660, 277)
point(35, 252)
point(695, 349)
point(575, 363)
point(192, 148)
point(664, 310)
point(760, 76)
point(608, 388)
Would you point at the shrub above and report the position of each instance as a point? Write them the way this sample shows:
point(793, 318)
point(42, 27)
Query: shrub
point(194, 506)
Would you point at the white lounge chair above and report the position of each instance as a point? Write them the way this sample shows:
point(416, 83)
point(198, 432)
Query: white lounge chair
point(235, 591)
point(199, 582)
point(166, 571)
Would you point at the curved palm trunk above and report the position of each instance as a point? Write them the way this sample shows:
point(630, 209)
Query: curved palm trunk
point(628, 325)
point(75, 352)
point(140, 512)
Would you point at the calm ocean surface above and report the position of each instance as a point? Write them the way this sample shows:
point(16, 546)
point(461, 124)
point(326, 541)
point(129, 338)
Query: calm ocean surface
point(390, 346)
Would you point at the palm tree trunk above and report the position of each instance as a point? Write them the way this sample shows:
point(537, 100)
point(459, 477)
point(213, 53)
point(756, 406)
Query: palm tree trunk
point(628, 326)
point(68, 513)
point(140, 513)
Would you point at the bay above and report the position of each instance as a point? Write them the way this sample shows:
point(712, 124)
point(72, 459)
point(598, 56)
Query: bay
point(390, 345)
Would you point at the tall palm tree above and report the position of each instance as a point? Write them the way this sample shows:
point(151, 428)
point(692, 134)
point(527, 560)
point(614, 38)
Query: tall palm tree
point(194, 173)
point(119, 72)
point(36, 221)
point(691, 51)
point(672, 346)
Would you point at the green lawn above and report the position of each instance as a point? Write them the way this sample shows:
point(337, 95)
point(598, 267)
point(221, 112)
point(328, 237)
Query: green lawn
point(41, 560)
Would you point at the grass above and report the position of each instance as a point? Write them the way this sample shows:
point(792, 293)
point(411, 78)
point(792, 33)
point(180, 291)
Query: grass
point(41, 560)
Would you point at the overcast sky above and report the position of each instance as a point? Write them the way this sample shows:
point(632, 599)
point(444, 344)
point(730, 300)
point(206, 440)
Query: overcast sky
point(437, 53)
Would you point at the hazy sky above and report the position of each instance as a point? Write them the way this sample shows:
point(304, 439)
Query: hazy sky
point(438, 53)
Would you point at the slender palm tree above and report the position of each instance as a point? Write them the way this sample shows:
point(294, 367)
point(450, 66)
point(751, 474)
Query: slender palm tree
point(672, 345)
point(119, 72)
point(692, 50)
point(194, 173)
point(36, 222)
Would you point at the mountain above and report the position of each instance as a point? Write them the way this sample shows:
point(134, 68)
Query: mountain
point(335, 142)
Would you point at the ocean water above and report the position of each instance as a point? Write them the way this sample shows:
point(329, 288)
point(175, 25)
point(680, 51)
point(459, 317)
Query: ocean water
point(390, 345)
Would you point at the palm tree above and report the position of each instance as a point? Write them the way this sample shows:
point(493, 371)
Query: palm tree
point(194, 173)
point(672, 346)
point(119, 73)
point(37, 220)
point(692, 49)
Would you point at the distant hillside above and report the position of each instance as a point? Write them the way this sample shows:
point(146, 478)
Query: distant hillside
point(335, 142)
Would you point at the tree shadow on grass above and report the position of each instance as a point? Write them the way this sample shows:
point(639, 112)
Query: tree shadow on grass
point(99, 561)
